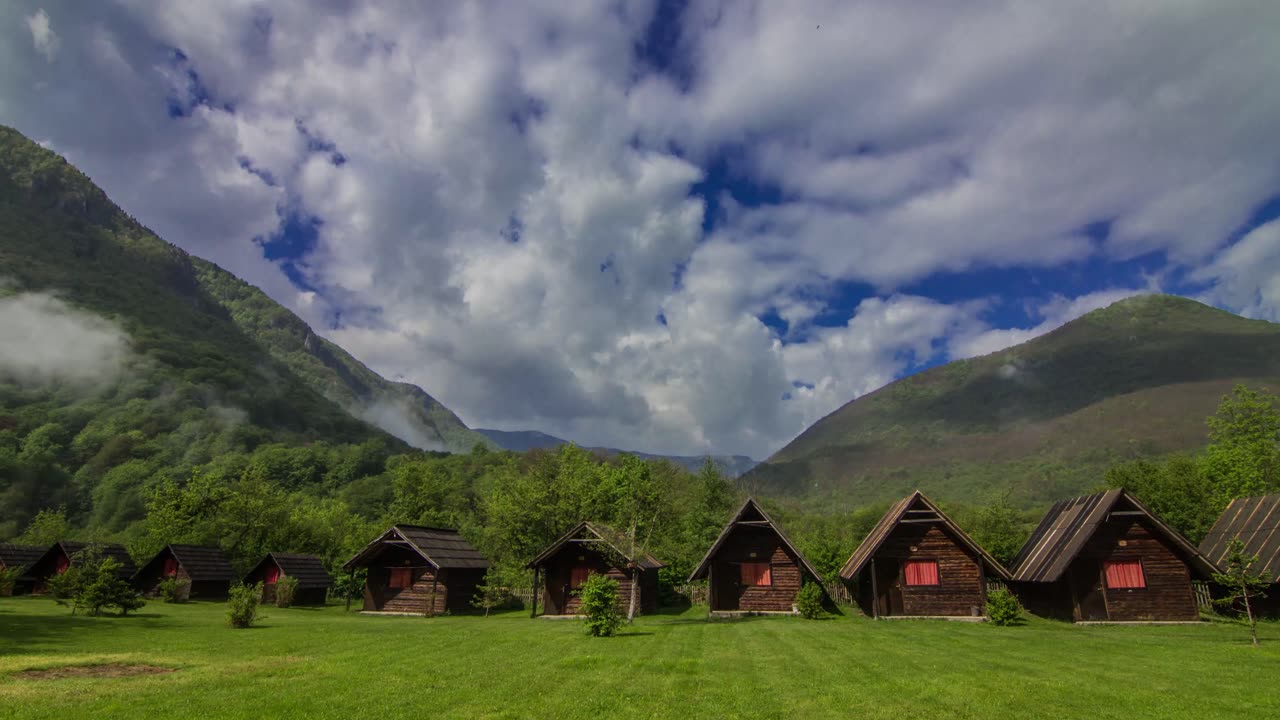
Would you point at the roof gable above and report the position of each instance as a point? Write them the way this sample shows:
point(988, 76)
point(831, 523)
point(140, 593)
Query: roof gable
point(71, 547)
point(441, 548)
point(202, 563)
point(916, 507)
point(1256, 522)
point(751, 512)
point(1068, 526)
point(602, 533)
point(308, 570)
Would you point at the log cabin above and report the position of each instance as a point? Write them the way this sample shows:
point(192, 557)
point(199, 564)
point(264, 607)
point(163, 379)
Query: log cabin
point(916, 562)
point(1255, 522)
point(753, 567)
point(207, 572)
point(62, 555)
point(592, 548)
point(1107, 558)
point(313, 579)
point(20, 558)
point(419, 570)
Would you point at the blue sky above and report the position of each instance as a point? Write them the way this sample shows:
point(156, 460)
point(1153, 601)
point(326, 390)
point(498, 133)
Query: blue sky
point(676, 226)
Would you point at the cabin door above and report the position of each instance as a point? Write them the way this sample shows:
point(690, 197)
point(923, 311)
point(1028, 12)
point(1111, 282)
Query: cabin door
point(889, 586)
point(1086, 587)
point(728, 588)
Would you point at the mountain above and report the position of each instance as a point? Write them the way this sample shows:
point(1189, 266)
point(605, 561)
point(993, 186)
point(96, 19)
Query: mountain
point(187, 361)
point(1041, 420)
point(523, 440)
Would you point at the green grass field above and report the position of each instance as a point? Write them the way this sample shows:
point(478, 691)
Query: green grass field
point(324, 663)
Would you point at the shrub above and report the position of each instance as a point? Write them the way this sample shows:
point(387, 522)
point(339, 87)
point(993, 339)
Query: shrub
point(492, 593)
point(103, 588)
point(1003, 608)
point(174, 590)
point(599, 596)
point(8, 579)
point(242, 605)
point(286, 588)
point(351, 586)
point(809, 601)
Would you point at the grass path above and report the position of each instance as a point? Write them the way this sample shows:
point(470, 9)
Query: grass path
point(328, 664)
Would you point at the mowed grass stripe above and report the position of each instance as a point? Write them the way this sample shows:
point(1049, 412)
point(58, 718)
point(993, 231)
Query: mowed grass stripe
point(329, 664)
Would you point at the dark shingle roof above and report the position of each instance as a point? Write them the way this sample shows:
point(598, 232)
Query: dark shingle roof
point(1069, 524)
point(924, 509)
point(614, 539)
point(110, 550)
point(20, 556)
point(750, 508)
point(308, 569)
point(1256, 522)
point(202, 563)
point(441, 548)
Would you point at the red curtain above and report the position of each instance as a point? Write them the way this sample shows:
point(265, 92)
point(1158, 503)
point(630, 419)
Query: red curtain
point(401, 577)
point(922, 572)
point(170, 566)
point(271, 575)
point(62, 564)
point(757, 574)
point(1126, 574)
point(577, 576)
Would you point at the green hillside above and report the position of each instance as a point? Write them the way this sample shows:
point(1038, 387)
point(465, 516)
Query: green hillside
point(211, 366)
point(1042, 419)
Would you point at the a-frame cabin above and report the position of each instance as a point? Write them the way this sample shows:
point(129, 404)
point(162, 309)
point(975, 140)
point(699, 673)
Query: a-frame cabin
point(1107, 558)
point(916, 562)
point(593, 548)
point(753, 567)
point(419, 570)
point(206, 570)
point(1255, 522)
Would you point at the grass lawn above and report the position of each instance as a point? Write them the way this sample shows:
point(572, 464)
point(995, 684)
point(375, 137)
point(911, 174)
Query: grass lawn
point(324, 663)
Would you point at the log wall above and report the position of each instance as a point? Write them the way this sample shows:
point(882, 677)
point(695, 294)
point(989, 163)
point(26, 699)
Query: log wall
point(1168, 594)
point(747, 544)
point(959, 589)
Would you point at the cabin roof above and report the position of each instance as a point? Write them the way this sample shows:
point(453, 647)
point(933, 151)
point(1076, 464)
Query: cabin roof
point(309, 570)
point(71, 547)
point(202, 563)
point(924, 510)
point(1256, 522)
point(20, 556)
point(1067, 527)
point(751, 508)
point(442, 548)
point(603, 533)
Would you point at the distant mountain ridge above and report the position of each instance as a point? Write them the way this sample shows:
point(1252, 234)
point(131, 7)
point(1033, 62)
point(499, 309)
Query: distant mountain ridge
point(525, 440)
point(197, 326)
point(1039, 421)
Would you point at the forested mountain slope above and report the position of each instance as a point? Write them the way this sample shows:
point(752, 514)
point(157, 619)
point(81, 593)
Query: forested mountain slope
point(1041, 420)
point(524, 440)
point(123, 355)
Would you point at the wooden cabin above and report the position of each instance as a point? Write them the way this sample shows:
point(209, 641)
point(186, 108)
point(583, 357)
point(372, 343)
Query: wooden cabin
point(752, 567)
point(1107, 558)
point(420, 570)
point(1255, 522)
point(592, 548)
point(20, 557)
point(205, 569)
point(916, 562)
point(313, 579)
point(61, 556)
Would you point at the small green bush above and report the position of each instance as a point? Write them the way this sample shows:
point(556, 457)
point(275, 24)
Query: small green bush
point(174, 590)
point(8, 579)
point(599, 596)
point(809, 601)
point(1003, 608)
point(286, 588)
point(349, 587)
point(242, 605)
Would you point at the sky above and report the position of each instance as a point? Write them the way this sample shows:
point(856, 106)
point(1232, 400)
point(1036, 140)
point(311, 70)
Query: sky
point(677, 227)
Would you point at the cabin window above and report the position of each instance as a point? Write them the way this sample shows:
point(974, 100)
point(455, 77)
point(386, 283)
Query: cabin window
point(170, 567)
point(271, 575)
point(401, 578)
point(757, 574)
point(578, 575)
point(1125, 574)
point(62, 564)
point(921, 572)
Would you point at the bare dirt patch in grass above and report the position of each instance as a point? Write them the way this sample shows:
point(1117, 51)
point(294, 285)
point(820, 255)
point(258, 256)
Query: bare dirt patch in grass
point(109, 670)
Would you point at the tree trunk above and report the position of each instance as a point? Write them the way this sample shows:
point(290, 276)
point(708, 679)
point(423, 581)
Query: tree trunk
point(635, 576)
point(1253, 624)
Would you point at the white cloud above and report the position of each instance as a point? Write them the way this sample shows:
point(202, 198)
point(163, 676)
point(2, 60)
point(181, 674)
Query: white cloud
point(1246, 275)
point(1055, 313)
point(46, 340)
point(505, 191)
point(45, 39)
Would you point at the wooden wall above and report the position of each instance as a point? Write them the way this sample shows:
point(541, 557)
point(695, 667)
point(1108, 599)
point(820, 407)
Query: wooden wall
point(452, 590)
point(754, 544)
point(1168, 594)
point(960, 587)
point(557, 597)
